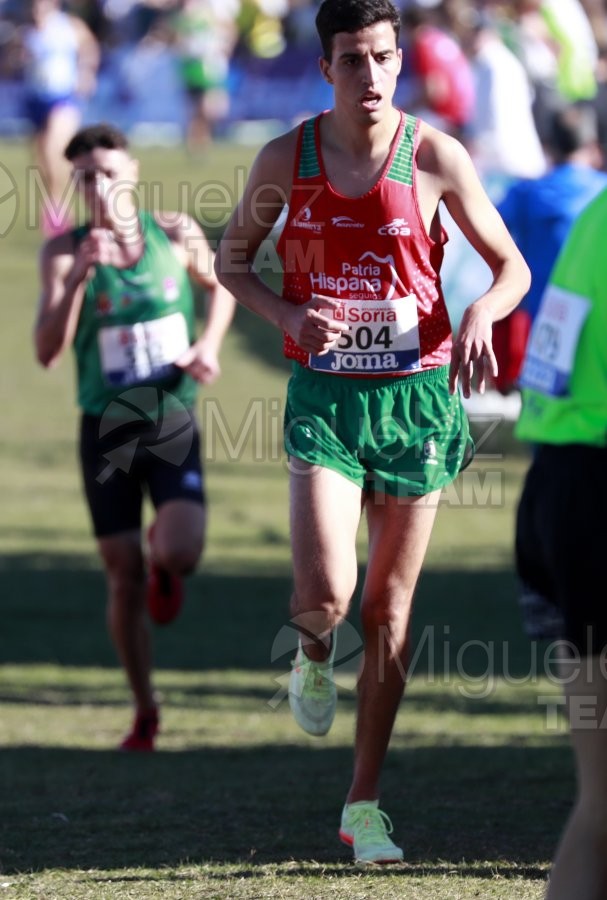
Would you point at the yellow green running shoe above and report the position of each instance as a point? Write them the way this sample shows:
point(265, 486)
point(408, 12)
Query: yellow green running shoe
point(312, 692)
point(365, 828)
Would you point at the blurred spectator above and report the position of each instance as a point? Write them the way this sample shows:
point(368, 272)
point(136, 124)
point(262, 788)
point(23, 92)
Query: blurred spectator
point(8, 46)
point(128, 21)
point(595, 10)
point(600, 101)
point(260, 27)
point(557, 46)
point(577, 56)
point(204, 38)
point(58, 57)
point(298, 24)
point(91, 12)
point(443, 90)
point(539, 214)
point(502, 136)
point(538, 52)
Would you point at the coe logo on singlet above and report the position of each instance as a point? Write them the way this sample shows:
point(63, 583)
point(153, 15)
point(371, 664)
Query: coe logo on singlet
point(395, 228)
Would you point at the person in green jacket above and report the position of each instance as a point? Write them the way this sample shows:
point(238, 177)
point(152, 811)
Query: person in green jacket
point(118, 290)
point(561, 529)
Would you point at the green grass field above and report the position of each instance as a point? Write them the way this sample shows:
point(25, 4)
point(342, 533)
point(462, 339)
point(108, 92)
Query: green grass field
point(237, 802)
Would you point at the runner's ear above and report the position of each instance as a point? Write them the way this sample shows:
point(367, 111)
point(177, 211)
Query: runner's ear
point(324, 69)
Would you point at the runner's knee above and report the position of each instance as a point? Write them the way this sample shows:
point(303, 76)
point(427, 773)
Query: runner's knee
point(387, 617)
point(179, 559)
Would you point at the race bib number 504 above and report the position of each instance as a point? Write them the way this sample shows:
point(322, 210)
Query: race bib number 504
point(553, 342)
point(383, 338)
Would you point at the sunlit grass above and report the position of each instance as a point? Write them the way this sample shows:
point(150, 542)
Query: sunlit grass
point(237, 802)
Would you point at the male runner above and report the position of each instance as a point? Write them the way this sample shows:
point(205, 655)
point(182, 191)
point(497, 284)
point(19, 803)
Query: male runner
point(118, 290)
point(373, 418)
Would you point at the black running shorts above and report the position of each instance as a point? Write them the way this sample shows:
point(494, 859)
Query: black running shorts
point(121, 462)
point(561, 532)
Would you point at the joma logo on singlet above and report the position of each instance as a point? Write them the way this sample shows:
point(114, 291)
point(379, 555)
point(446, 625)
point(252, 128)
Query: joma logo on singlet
point(367, 362)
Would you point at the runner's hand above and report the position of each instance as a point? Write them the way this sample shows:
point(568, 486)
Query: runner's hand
point(201, 362)
point(472, 353)
point(97, 248)
point(314, 330)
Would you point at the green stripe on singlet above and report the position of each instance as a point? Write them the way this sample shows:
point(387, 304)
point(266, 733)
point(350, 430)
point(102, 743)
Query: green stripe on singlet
point(401, 169)
point(308, 161)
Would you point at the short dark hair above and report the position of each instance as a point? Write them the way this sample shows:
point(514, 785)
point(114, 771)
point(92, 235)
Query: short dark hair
point(103, 135)
point(572, 128)
point(335, 16)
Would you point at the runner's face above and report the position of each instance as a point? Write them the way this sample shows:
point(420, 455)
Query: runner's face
point(107, 179)
point(363, 70)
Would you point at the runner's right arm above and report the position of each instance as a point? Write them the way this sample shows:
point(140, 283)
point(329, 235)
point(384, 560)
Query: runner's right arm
point(63, 275)
point(267, 191)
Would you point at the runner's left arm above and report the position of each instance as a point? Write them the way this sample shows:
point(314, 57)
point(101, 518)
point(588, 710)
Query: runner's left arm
point(450, 172)
point(201, 361)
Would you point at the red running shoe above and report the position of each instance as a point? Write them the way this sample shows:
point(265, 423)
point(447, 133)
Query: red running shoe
point(144, 730)
point(164, 594)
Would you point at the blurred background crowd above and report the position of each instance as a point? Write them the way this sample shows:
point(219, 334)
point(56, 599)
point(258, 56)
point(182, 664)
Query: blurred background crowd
point(168, 70)
point(523, 84)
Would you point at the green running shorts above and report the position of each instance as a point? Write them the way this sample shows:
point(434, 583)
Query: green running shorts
point(405, 436)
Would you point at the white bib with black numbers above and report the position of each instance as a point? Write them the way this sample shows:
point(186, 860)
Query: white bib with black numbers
point(553, 342)
point(383, 338)
point(144, 351)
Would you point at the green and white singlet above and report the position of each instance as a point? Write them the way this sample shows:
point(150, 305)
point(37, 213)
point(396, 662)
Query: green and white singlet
point(133, 325)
